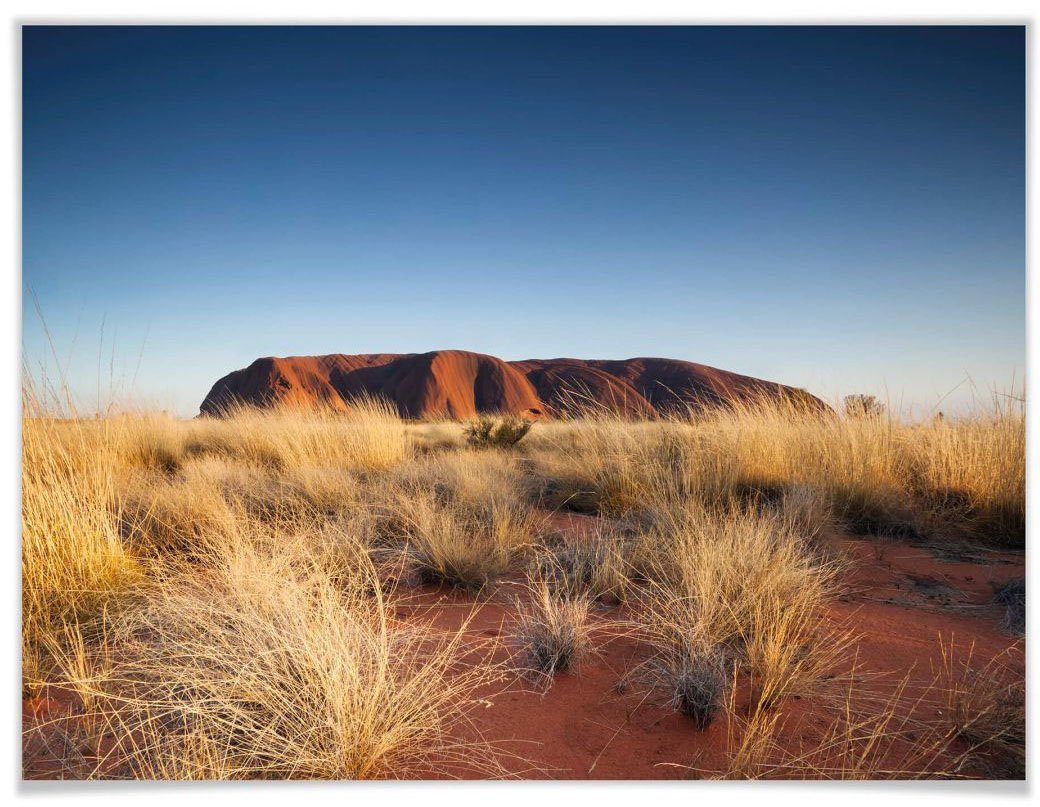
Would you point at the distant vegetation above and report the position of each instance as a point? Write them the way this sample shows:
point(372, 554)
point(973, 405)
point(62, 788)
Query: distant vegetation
point(501, 432)
point(863, 406)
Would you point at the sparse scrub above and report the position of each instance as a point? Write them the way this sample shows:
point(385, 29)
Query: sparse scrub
point(502, 432)
point(225, 595)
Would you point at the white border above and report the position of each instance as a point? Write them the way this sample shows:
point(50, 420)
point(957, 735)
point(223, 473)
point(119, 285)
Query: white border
point(779, 794)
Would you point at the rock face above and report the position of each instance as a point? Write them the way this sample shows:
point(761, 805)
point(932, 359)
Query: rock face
point(459, 384)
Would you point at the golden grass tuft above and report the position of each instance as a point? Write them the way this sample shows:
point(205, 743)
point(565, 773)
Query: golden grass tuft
point(745, 583)
point(74, 562)
point(265, 659)
point(458, 519)
point(552, 632)
point(459, 546)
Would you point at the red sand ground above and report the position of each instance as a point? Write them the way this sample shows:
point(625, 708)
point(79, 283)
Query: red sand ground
point(460, 384)
point(582, 726)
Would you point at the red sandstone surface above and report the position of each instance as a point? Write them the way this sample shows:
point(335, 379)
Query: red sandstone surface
point(460, 384)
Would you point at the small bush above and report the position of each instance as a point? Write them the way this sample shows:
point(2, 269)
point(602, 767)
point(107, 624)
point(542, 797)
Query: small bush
point(863, 406)
point(505, 432)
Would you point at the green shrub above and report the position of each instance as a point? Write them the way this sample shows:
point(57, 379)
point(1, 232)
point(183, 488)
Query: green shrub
point(490, 432)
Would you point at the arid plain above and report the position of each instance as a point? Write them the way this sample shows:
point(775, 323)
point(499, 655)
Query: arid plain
point(733, 585)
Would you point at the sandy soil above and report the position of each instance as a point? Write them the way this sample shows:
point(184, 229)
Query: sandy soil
point(900, 599)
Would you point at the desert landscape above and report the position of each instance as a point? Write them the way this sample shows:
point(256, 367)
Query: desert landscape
point(559, 401)
point(663, 571)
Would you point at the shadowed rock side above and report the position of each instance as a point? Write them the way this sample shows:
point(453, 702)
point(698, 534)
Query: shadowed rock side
point(459, 384)
point(671, 384)
point(444, 383)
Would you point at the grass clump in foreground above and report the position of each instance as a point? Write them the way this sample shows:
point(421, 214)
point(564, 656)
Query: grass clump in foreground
point(738, 584)
point(553, 632)
point(456, 519)
point(268, 660)
point(695, 680)
point(74, 562)
point(466, 549)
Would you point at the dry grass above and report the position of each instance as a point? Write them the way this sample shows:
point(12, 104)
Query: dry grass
point(736, 589)
point(265, 659)
point(203, 591)
point(457, 518)
point(596, 566)
point(879, 475)
point(367, 435)
point(747, 582)
point(552, 632)
point(213, 593)
point(967, 722)
point(74, 562)
point(459, 547)
point(862, 737)
point(983, 703)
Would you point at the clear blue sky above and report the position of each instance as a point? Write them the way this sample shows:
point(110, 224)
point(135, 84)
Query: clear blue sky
point(836, 208)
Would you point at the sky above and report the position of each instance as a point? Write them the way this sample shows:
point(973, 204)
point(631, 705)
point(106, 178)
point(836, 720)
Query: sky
point(841, 209)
